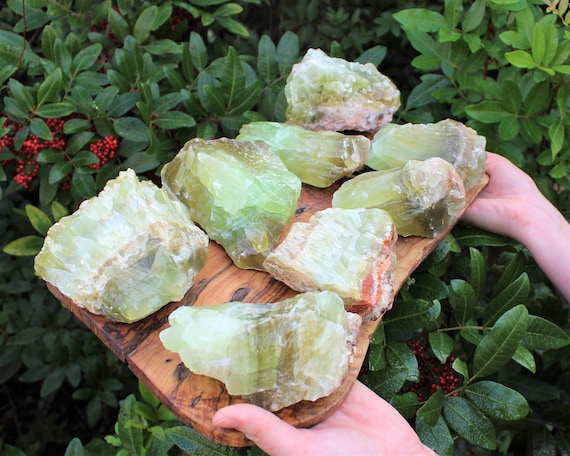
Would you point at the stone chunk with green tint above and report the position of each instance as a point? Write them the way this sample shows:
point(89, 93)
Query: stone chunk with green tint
point(274, 354)
point(424, 197)
point(330, 93)
point(318, 158)
point(239, 192)
point(125, 253)
point(460, 145)
point(348, 251)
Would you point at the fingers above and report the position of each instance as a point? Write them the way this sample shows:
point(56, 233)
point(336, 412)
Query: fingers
point(269, 433)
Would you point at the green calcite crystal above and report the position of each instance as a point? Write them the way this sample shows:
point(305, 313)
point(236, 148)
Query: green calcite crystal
point(460, 145)
point(424, 197)
point(329, 93)
point(348, 251)
point(275, 354)
point(318, 158)
point(125, 253)
point(239, 192)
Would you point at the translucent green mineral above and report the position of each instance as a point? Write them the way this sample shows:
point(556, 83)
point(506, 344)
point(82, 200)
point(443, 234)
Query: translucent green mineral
point(318, 158)
point(348, 251)
point(460, 145)
point(329, 93)
point(275, 354)
point(424, 197)
point(125, 253)
point(239, 192)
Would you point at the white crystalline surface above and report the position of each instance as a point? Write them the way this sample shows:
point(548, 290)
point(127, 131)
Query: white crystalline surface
point(348, 251)
point(275, 354)
point(328, 93)
point(125, 253)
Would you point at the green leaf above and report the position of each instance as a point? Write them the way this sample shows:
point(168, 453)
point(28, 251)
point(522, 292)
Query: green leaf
point(487, 112)
point(542, 334)
point(55, 110)
point(59, 171)
point(232, 25)
point(513, 270)
point(87, 57)
point(399, 355)
point(478, 276)
point(119, 26)
point(412, 314)
point(420, 19)
point(437, 437)
point(462, 299)
point(246, 99)
point(215, 103)
point(62, 56)
point(441, 344)
point(145, 23)
point(142, 162)
point(191, 442)
point(520, 59)
point(39, 128)
point(82, 186)
point(232, 77)
point(523, 357)
point(387, 382)
point(287, 52)
point(131, 436)
point(474, 16)
point(267, 59)
point(511, 97)
point(406, 404)
point(431, 410)
point(429, 287)
point(22, 95)
point(131, 128)
point(52, 382)
point(509, 128)
point(376, 358)
point(497, 401)
point(469, 423)
point(514, 293)
point(58, 211)
point(6, 71)
point(532, 388)
point(39, 219)
point(556, 133)
point(24, 246)
point(229, 9)
point(499, 345)
point(461, 368)
point(172, 120)
point(198, 51)
point(374, 55)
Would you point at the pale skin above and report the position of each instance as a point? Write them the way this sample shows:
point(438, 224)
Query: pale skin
point(365, 424)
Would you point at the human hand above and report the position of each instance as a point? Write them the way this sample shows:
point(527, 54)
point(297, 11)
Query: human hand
point(507, 204)
point(512, 205)
point(364, 424)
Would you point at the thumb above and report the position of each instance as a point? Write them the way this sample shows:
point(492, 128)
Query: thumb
point(269, 432)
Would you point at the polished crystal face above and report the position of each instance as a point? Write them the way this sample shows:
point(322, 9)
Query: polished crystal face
point(275, 354)
point(348, 251)
point(239, 192)
point(328, 93)
point(318, 158)
point(423, 197)
point(394, 145)
point(125, 253)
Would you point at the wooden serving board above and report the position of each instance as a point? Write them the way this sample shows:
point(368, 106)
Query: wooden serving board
point(195, 398)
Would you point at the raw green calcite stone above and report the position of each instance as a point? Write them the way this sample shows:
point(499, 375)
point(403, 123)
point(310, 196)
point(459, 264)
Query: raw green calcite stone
point(348, 251)
point(125, 253)
point(424, 197)
point(239, 192)
point(318, 158)
point(275, 354)
point(329, 93)
point(460, 145)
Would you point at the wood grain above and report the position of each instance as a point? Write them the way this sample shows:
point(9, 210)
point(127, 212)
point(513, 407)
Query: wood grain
point(195, 398)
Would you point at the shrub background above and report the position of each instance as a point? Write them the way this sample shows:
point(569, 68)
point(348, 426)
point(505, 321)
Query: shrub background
point(91, 87)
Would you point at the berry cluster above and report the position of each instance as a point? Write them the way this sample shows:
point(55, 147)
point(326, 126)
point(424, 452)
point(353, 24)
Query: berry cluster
point(433, 374)
point(24, 156)
point(27, 167)
point(105, 149)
